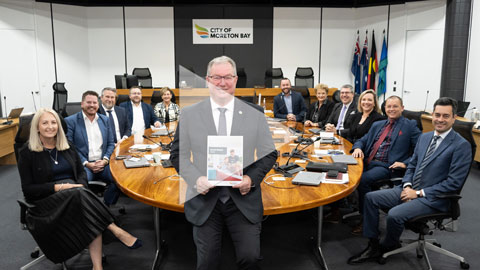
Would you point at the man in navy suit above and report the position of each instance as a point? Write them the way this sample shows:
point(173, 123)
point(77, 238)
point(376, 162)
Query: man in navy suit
point(385, 148)
point(342, 111)
point(117, 116)
point(91, 135)
point(439, 165)
point(140, 115)
point(289, 104)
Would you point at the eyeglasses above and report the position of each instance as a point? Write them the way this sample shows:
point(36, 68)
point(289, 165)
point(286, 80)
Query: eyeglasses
point(228, 78)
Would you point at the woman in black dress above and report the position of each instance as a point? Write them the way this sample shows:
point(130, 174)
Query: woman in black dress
point(66, 217)
point(319, 111)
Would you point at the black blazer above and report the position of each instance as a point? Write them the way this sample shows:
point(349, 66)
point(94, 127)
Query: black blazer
point(36, 174)
point(195, 124)
point(123, 122)
point(356, 130)
point(337, 109)
point(323, 113)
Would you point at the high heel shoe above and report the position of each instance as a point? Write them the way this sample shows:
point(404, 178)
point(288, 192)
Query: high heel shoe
point(138, 244)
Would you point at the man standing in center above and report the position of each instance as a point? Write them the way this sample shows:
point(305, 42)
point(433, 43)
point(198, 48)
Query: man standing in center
point(210, 208)
point(289, 104)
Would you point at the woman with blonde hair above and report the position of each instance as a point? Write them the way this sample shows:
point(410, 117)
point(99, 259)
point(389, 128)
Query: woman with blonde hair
point(319, 111)
point(66, 217)
point(166, 111)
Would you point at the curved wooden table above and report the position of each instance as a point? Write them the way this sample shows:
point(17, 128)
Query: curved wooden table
point(153, 186)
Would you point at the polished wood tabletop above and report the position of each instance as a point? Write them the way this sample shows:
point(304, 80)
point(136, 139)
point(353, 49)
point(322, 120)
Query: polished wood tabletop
point(153, 186)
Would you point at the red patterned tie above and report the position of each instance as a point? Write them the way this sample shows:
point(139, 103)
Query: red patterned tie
point(377, 144)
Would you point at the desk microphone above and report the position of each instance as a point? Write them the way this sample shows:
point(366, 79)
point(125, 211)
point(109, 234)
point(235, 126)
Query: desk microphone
point(296, 153)
point(426, 99)
point(34, 105)
point(8, 122)
point(163, 146)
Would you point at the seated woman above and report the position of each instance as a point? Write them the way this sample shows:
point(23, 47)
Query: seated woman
point(368, 113)
point(66, 217)
point(319, 111)
point(166, 111)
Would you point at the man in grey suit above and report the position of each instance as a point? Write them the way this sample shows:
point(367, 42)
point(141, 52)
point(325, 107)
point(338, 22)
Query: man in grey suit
point(117, 116)
point(209, 208)
point(439, 165)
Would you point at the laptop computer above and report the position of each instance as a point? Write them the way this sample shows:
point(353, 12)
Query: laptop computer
point(136, 162)
point(308, 178)
point(348, 159)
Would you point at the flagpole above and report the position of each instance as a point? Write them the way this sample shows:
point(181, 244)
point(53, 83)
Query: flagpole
point(388, 39)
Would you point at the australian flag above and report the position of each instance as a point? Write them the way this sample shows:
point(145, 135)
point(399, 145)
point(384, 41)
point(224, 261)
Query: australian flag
point(356, 66)
point(364, 61)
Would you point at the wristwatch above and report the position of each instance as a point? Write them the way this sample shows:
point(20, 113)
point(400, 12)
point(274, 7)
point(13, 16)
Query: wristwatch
point(419, 193)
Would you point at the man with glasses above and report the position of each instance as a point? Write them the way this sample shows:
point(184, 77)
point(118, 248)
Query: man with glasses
point(211, 208)
point(140, 115)
point(289, 104)
point(117, 116)
point(342, 111)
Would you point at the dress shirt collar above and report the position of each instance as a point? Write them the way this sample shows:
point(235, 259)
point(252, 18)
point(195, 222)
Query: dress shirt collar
point(442, 135)
point(86, 118)
point(106, 110)
point(229, 106)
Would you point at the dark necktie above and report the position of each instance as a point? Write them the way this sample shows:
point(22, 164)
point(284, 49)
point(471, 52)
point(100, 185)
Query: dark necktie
point(167, 116)
point(112, 125)
point(341, 117)
point(377, 144)
point(222, 131)
point(418, 175)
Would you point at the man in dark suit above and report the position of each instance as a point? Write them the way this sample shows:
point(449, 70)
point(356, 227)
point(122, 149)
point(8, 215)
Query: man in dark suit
point(289, 104)
point(385, 148)
point(439, 165)
point(210, 207)
point(91, 135)
point(342, 111)
point(117, 116)
point(140, 115)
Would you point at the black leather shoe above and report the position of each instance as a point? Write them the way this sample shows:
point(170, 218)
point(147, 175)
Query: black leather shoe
point(371, 253)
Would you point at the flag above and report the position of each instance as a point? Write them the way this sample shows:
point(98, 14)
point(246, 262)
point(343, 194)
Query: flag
point(364, 64)
point(356, 66)
point(372, 65)
point(382, 70)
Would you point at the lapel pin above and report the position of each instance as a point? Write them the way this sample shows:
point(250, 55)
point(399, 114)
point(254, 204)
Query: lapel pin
point(240, 112)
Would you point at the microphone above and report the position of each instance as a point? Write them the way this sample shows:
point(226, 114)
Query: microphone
point(426, 99)
point(163, 146)
point(8, 122)
point(295, 153)
point(34, 105)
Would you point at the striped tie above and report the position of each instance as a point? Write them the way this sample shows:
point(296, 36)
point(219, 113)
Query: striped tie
point(428, 155)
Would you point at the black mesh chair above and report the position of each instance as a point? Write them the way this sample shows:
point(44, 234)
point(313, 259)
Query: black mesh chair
point(121, 99)
point(412, 115)
point(60, 96)
point(336, 96)
point(462, 107)
point(144, 77)
point(71, 108)
point(304, 77)
point(242, 78)
point(273, 76)
point(438, 221)
point(156, 98)
point(304, 92)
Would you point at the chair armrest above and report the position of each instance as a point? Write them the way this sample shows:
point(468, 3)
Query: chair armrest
point(454, 205)
point(24, 206)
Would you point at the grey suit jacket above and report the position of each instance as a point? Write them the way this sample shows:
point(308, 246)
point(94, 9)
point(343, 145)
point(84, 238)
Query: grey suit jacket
point(196, 123)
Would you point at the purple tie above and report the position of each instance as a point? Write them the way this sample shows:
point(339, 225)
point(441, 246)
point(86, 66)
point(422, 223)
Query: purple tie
point(340, 118)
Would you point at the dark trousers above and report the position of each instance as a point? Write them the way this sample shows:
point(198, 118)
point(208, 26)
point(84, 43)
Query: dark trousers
point(398, 214)
point(244, 234)
point(112, 192)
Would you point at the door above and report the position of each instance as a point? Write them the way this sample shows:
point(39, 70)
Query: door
point(423, 68)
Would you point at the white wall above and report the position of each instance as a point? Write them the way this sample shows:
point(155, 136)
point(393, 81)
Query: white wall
point(473, 83)
point(296, 40)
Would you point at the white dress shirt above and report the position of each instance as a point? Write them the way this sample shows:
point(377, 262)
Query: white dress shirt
point(115, 120)
point(138, 122)
point(228, 114)
point(95, 140)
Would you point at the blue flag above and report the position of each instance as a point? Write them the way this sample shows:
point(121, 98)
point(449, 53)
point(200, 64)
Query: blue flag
point(382, 70)
point(364, 60)
point(356, 66)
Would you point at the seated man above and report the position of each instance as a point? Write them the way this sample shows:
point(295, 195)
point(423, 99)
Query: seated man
point(439, 165)
point(342, 111)
point(140, 115)
point(385, 148)
point(117, 115)
point(289, 104)
point(91, 135)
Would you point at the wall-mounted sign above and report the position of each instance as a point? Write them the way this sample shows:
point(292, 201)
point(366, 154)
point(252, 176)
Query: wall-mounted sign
point(222, 31)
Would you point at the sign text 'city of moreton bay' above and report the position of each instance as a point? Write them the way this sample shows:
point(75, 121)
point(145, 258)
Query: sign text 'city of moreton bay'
point(222, 31)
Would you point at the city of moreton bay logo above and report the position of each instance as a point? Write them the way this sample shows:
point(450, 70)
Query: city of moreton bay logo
point(202, 32)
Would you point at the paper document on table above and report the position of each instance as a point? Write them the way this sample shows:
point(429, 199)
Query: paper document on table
point(144, 146)
point(225, 160)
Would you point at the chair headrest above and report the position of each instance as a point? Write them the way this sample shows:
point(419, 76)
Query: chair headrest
point(304, 72)
point(274, 72)
point(141, 72)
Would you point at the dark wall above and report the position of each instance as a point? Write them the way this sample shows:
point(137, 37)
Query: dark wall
point(254, 58)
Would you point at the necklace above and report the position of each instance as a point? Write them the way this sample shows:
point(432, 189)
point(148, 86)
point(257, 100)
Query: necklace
point(55, 160)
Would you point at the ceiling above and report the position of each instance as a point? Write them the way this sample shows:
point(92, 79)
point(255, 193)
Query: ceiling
point(276, 3)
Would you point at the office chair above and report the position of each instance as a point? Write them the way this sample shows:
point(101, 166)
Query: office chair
point(121, 99)
point(304, 92)
point(336, 96)
point(144, 77)
point(420, 224)
point(304, 77)
point(156, 98)
point(242, 78)
point(462, 107)
point(273, 76)
point(60, 97)
point(71, 108)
